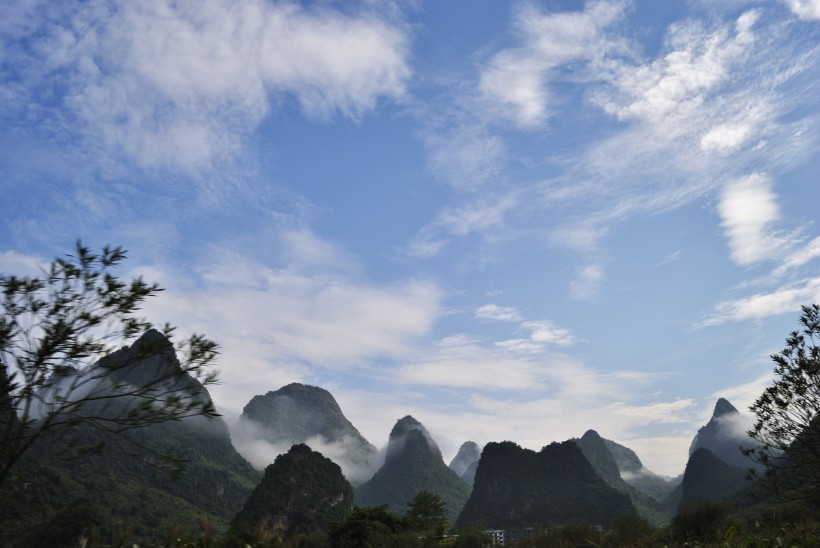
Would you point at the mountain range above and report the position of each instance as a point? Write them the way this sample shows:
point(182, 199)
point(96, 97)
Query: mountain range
point(321, 457)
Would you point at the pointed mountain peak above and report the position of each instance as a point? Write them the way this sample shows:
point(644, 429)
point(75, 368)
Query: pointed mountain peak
point(150, 343)
point(591, 435)
point(469, 448)
point(152, 335)
point(409, 430)
point(404, 425)
point(468, 454)
point(723, 407)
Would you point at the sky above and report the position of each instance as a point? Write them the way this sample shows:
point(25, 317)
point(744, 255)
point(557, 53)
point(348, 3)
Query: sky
point(513, 221)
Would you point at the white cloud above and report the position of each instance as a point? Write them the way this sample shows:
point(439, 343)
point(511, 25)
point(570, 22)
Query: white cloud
point(748, 207)
point(181, 84)
point(805, 9)
point(498, 313)
point(672, 87)
point(463, 361)
point(285, 325)
point(725, 137)
point(516, 81)
point(546, 332)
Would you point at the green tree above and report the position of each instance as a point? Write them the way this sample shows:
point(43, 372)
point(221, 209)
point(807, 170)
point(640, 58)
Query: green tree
point(426, 515)
point(788, 415)
point(373, 526)
point(54, 331)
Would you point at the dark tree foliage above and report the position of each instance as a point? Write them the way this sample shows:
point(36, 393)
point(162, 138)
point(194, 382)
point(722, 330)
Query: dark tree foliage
point(788, 415)
point(705, 521)
point(373, 526)
point(302, 492)
point(54, 330)
point(629, 530)
point(426, 515)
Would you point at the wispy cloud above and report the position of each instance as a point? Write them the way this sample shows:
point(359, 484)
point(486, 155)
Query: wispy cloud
point(482, 217)
point(785, 299)
point(672, 257)
point(468, 158)
point(180, 84)
point(798, 258)
point(587, 282)
point(710, 108)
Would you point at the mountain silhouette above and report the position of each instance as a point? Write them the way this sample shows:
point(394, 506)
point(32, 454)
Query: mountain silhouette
point(518, 488)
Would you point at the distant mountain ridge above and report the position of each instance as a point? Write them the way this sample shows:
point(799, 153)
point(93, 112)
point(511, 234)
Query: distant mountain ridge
point(637, 475)
point(465, 463)
point(518, 488)
point(599, 455)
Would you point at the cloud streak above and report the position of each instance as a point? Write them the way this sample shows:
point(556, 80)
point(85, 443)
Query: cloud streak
point(783, 300)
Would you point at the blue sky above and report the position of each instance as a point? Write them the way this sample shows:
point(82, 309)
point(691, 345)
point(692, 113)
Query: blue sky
point(510, 220)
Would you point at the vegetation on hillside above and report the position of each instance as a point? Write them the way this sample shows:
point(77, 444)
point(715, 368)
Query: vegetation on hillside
point(57, 370)
point(301, 493)
point(517, 487)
